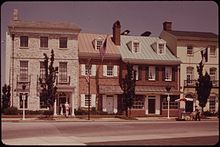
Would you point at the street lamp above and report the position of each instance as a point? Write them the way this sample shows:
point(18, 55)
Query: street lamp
point(168, 87)
point(23, 100)
point(88, 81)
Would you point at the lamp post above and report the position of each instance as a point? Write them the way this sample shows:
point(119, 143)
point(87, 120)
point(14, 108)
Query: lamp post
point(168, 87)
point(23, 100)
point(88, 81)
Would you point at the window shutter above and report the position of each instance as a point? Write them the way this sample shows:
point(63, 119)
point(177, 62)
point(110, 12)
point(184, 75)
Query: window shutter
point(115, 70)
point(93, 70)
point(156, 74)
point(82, 100)
point(105, 70)
point(147, 72)
point(163, 73)
point(93, 100)
point(173, 73)
point(83, 69)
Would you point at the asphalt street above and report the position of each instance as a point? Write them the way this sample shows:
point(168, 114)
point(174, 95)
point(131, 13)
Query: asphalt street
point(101, 133)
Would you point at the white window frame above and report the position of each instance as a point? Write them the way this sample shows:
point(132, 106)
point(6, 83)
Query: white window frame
point(212, 103)
point(189, 74)
point(98, 44)
point(160, 50)
point(135, 67)
point(135, 48)
point(212, 50)
point(151, 73)
point(168, 73)
point(110, 71)
point(189, 50)
point(213, 73)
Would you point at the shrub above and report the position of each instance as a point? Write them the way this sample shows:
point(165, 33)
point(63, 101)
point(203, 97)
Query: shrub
point(11, 111)
point(48, 112)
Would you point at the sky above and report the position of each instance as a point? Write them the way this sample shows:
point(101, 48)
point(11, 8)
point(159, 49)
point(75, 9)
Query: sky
point(99, 16)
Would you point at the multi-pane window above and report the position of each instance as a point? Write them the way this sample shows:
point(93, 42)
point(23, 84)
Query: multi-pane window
point(168, 74)
point(25, 97)
point(98, 44)
point(63, 71)
point(23, 41)
point(44, 42)
point(161, 48)
point(212, 73)
point(109, 70)
point(42, 70)
point(24, 71)
point(212, 103)
point(138, 103)
point(135, 47)
point(189, 74)
point(151, 74)
point(212, 50)
point(63, 42)
point(87, 99)
point(88, 70)
point(173, 104)
point(189, 50)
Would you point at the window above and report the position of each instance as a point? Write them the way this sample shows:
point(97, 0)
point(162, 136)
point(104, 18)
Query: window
point(168, 74)
point(189, 75)
point(23, 41)
point(173, 104)
point(212, 103)
point(212, 73)
point(109, 70)
point(161, 48)
point(151, 74)
point(42, 71)
point(189, 50)
point(24, 71)
point(63, 72)
point(87, 100)
point(212, 50)
point(136, 47)
point(63, 42)
point(21, 96)
point(44, 42)
point(138, 103)
point(98, 44)
point(88, 70)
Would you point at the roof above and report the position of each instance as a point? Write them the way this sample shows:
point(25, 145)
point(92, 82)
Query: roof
point(193, 34)
point(110, 89)
point(44, 25)
point(147, 55)
point(154, 90)
point(86, 46)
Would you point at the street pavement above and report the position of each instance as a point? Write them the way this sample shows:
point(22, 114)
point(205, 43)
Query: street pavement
point(61, 131)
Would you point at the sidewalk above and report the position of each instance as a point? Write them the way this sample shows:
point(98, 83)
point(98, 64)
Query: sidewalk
point(85, 119)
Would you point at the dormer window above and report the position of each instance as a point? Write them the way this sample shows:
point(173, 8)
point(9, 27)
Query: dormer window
point(134, 46)
point(161, 48)
point(98, 43)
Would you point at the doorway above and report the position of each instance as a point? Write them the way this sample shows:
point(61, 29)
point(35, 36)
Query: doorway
point(151, 106)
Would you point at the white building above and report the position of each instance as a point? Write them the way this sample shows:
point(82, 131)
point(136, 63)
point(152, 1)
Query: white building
point(187, 45)
point(26, 41)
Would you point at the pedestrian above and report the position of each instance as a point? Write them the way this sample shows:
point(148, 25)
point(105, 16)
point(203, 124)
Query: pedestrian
point(197, 113)
point(67, 109)
point(61, 109)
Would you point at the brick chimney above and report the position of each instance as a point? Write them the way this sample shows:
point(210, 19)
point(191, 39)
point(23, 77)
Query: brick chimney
point(167, 26)
point(116, 33)
point(15, 15)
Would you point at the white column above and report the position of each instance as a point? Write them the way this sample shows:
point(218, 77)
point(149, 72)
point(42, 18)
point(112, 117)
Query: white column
point(54, 108)
point(168, 100)
point(72, 105)
point(23, 100)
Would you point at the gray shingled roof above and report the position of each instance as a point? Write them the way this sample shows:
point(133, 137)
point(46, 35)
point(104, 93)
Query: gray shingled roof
point(193, 34)
point(147, 54)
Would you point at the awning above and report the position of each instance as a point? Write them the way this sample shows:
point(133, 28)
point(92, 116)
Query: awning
point(110, 89)
point(184, 99)
point(155, 90)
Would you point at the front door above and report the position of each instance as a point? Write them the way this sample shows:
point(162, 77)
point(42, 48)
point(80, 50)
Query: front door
point(189, 106)
point(151, 106)
point(61, 101)
point(110, 104)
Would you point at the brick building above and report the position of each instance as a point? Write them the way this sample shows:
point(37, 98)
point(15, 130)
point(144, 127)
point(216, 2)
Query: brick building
point(26, 41)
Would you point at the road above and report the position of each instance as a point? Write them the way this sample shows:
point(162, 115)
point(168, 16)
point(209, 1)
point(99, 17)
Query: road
point(111, 133)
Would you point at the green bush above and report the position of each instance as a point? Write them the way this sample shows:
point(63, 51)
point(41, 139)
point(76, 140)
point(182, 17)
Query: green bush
point(48, 112)
point(11, 111)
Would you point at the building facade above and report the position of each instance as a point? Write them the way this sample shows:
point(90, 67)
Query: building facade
point(26, 42)
point(187, 45)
